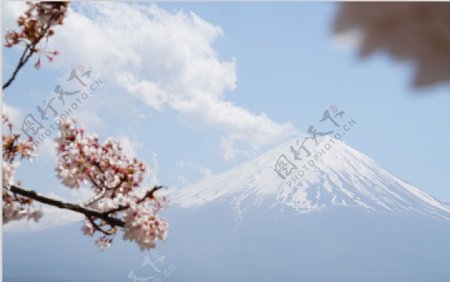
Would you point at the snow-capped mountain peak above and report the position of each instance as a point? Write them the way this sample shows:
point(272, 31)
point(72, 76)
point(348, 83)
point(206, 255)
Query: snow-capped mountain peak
point(331, 174)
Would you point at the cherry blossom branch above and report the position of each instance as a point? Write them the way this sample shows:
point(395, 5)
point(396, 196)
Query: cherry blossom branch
point(35, 24)
point(114, 176)
point(31, 49)
point(69, 206)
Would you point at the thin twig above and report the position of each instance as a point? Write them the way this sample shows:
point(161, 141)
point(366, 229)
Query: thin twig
point(98, 228)
point(95, 198)
point(149, 195)
point(31, 49)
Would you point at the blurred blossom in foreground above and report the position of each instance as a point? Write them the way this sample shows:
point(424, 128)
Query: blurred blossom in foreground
point(419, 32)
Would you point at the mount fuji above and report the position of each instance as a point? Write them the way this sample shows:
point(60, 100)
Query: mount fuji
point(334, 175)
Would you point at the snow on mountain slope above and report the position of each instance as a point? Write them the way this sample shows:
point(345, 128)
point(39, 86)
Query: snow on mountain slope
point(332, 175)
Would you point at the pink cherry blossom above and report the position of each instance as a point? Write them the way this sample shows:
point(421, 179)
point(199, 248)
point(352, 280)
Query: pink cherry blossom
point(103, 242)
point(88, 228)
point(15, 207)
point(144, 227)
point(115, 177)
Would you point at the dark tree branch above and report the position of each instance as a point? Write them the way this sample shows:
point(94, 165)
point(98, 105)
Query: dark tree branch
point(69, 206)
point(26, 55)
point(23, 60)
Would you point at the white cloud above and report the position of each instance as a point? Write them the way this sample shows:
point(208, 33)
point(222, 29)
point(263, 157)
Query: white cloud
point(165, 60)
point(89, 120)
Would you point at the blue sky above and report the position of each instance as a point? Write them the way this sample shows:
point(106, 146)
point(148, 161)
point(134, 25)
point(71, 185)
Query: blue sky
point(277, 65)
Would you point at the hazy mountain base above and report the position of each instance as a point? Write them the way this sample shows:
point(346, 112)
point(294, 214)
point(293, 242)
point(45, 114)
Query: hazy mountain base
point(206, 244)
